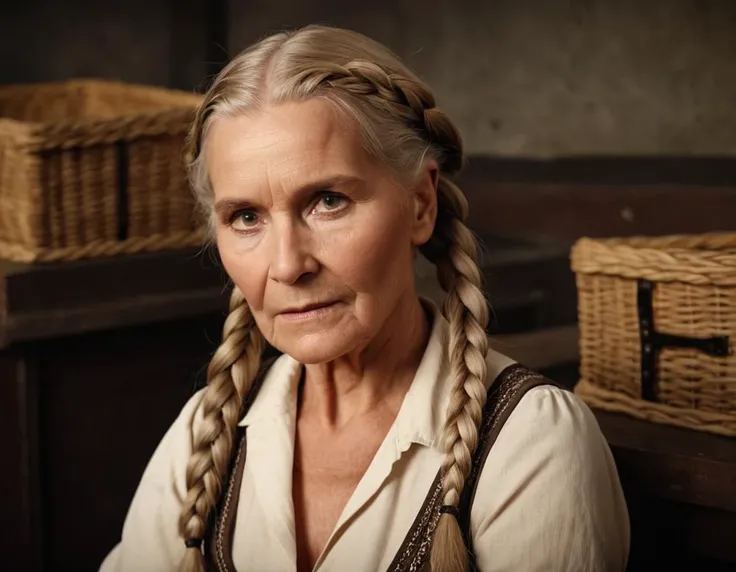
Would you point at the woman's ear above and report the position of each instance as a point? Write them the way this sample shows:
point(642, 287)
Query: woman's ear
point(425, 203)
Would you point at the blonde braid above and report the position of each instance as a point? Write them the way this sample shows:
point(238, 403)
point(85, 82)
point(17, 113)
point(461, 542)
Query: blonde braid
point(467, 312)
point(229, 377)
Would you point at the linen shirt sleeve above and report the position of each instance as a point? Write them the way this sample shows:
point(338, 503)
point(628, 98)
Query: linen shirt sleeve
point(150, 541)
point(549, 497)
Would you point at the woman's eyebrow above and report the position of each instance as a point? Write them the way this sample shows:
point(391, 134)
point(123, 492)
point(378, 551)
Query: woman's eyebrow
point(230, 204)
point(327, 183)
point(226, 206)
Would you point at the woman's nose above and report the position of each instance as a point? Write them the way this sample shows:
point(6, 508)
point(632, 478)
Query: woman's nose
point(291, 253)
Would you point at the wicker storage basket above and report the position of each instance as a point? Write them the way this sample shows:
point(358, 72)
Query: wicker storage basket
point(93, 168)
point(657, 321)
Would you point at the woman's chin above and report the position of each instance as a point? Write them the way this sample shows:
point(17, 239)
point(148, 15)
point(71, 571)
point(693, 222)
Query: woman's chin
point(317, 348)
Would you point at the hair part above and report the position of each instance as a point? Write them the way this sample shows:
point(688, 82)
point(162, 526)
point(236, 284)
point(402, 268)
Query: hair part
point(401, 126)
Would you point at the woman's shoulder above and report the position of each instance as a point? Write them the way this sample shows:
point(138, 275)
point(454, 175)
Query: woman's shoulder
point(539, 405)
point(538, 418)
point(548, 433)
point(546, 423)
point(510, 383)
point(549, 486)
point(556, 412)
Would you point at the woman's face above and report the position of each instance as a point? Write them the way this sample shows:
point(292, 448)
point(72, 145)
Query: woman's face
point(317, 235)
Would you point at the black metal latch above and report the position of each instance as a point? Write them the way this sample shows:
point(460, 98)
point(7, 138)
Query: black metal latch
point(653, 341)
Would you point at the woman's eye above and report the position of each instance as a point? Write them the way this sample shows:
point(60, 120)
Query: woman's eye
point(244, 220)
point(330, 202)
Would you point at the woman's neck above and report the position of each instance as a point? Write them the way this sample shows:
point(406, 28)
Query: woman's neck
point(370, 380)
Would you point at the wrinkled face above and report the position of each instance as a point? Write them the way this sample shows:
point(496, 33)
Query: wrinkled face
point(316, 234)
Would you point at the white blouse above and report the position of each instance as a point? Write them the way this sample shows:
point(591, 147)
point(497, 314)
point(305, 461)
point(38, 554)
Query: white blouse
point(548, 497)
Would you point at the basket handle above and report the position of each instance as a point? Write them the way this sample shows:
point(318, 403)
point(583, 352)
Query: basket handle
point(653, 341)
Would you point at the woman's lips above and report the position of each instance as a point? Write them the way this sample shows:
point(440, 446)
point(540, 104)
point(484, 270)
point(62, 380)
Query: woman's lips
point(309, 312)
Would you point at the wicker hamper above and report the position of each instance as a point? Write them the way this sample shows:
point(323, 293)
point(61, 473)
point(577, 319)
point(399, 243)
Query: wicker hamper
point(93, 168)
point(657, 320)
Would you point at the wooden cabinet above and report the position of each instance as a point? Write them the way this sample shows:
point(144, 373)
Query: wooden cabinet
point(97, 359)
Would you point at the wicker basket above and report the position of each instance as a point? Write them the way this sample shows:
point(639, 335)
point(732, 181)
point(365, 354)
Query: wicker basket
point(657, 321)
point(93, 168)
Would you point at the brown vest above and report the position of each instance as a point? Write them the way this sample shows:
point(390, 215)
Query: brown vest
point(413, 555)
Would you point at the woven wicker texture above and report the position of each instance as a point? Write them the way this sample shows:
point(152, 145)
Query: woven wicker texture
point(93, 168)
point(694, 296)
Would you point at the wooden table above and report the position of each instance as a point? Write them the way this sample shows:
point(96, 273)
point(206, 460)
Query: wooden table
point(680, 487)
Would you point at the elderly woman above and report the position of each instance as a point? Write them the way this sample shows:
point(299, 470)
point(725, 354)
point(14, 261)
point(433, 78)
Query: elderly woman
point(386, 436)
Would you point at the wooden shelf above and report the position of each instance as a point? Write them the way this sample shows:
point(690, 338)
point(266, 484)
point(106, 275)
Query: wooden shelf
point(51, 300)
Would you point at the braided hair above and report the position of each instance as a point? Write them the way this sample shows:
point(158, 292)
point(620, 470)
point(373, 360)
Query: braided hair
point(402, 126)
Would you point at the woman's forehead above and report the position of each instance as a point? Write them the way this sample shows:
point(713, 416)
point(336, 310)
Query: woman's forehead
point(287, 144)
